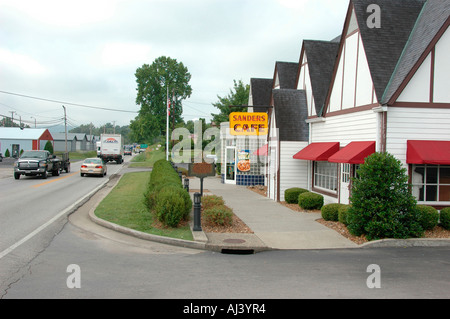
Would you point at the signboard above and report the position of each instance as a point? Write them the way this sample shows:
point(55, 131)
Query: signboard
point(201, 170)
point(243, 164)
point(249, 124)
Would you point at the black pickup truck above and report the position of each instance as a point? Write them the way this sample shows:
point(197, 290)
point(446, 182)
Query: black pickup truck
point(40, 163)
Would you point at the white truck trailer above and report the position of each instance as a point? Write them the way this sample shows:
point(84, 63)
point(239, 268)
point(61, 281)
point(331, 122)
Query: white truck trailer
point(111, 148)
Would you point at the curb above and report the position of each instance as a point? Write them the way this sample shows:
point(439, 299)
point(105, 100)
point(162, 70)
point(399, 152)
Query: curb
point(411, 242)
point(202, 242)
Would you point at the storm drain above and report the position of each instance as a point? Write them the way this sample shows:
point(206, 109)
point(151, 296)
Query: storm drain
point(236, 250)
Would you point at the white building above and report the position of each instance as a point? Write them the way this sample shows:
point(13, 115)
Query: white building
point(388, 92)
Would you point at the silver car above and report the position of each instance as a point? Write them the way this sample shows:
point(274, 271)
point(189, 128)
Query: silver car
point(93, 166)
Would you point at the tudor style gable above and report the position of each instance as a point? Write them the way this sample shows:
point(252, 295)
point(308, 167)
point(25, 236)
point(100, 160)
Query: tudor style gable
point(421, 76)
point(367, 56)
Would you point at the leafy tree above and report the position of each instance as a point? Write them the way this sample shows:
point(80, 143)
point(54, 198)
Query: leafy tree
point(382, 205)
point(153, 82)
point(49, 147)
point(235, 101)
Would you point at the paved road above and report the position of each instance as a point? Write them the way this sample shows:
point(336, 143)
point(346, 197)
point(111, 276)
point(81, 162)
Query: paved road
point(79, 259)
point(33, 210)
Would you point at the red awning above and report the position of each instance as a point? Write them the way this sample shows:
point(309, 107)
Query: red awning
point(428, 152)
point(263, 151)
point(318, 151)
point(353, 153)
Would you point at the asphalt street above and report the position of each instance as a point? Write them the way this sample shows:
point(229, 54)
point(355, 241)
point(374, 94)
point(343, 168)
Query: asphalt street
point(66, 261)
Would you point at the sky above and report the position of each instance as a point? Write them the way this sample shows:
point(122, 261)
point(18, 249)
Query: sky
point(84, 54)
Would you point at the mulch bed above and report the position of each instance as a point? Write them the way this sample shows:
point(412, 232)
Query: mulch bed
point(436, 232)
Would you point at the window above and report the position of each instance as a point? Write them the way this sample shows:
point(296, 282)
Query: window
point(346, 173)
point(325, 175)
point(431, 183)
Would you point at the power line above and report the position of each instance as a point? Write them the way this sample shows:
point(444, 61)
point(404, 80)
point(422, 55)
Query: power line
point(68, 103)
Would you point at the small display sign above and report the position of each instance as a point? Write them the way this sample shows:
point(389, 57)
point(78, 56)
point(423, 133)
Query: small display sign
point(201, 169)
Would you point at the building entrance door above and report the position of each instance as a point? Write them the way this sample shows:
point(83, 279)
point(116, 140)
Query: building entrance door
point(230, 158)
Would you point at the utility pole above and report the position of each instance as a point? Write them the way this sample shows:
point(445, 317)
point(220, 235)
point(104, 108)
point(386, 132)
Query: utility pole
point(12, 117)
point(65, 124)
point(167, 123)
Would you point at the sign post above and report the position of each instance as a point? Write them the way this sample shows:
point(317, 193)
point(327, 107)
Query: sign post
point(201, 170)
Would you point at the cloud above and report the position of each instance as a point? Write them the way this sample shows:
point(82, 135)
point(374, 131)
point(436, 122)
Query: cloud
point(87, 51)
point(26, 64)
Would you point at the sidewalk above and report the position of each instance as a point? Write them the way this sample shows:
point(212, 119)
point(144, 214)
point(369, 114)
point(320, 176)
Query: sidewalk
point(274, 225)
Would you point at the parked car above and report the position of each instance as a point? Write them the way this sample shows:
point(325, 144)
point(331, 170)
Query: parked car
point(93, 166)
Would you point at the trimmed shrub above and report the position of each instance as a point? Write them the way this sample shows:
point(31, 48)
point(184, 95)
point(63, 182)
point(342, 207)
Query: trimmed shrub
point(428, 216)
point(218, 215)
point(291, 194)
point(330, 212)
point(444, 218)
point(172, 206)
point(309, 200)
point(343, 213)
point(165, 195)
point(211, 201)
point(382, 205)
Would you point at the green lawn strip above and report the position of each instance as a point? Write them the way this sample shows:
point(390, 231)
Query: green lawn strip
point(75, 156)
point(148, 158)
point(125, 206)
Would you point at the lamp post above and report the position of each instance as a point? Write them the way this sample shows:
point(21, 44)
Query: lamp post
point(197, 212)
point(186, 184)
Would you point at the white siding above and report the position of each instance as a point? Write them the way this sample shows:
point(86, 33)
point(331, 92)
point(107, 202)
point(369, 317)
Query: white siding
point(418, 88)
point(351, 53)
point(364, 83)
point(442, 69)
point(356, 126)
point(336, 93)
point(415, 124)
point(293, 173)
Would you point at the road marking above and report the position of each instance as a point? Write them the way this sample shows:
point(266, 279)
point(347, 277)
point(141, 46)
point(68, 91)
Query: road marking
point(53, 180)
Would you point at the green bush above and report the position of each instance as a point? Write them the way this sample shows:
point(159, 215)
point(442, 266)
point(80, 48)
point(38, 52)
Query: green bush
point(444, 218)
point(49, 147)
point(343, 213)
point(165, 195)
point(330, 212)
point(7, 154)
point(218, 215)
point(172, 206)
point(211, 201)
point(309, 200)
point(291, 194)
point(382, 205)
point(428, 217)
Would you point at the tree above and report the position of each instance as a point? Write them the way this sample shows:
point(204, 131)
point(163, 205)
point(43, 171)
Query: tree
point(49, 147)
point(382, 205)
point(236, 101)
point(153, 82)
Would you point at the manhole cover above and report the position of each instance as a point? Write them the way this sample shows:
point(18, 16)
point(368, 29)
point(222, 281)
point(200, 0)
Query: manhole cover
point(234, 241)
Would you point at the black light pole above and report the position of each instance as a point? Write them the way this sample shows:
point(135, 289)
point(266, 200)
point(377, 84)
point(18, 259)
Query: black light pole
point(197, 212)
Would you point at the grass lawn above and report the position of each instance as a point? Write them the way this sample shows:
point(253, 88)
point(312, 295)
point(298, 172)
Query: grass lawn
point(125, 206)
point(148, 158)
point(81, 155)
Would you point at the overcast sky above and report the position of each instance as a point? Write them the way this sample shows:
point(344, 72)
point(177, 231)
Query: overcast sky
point(87, 52)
